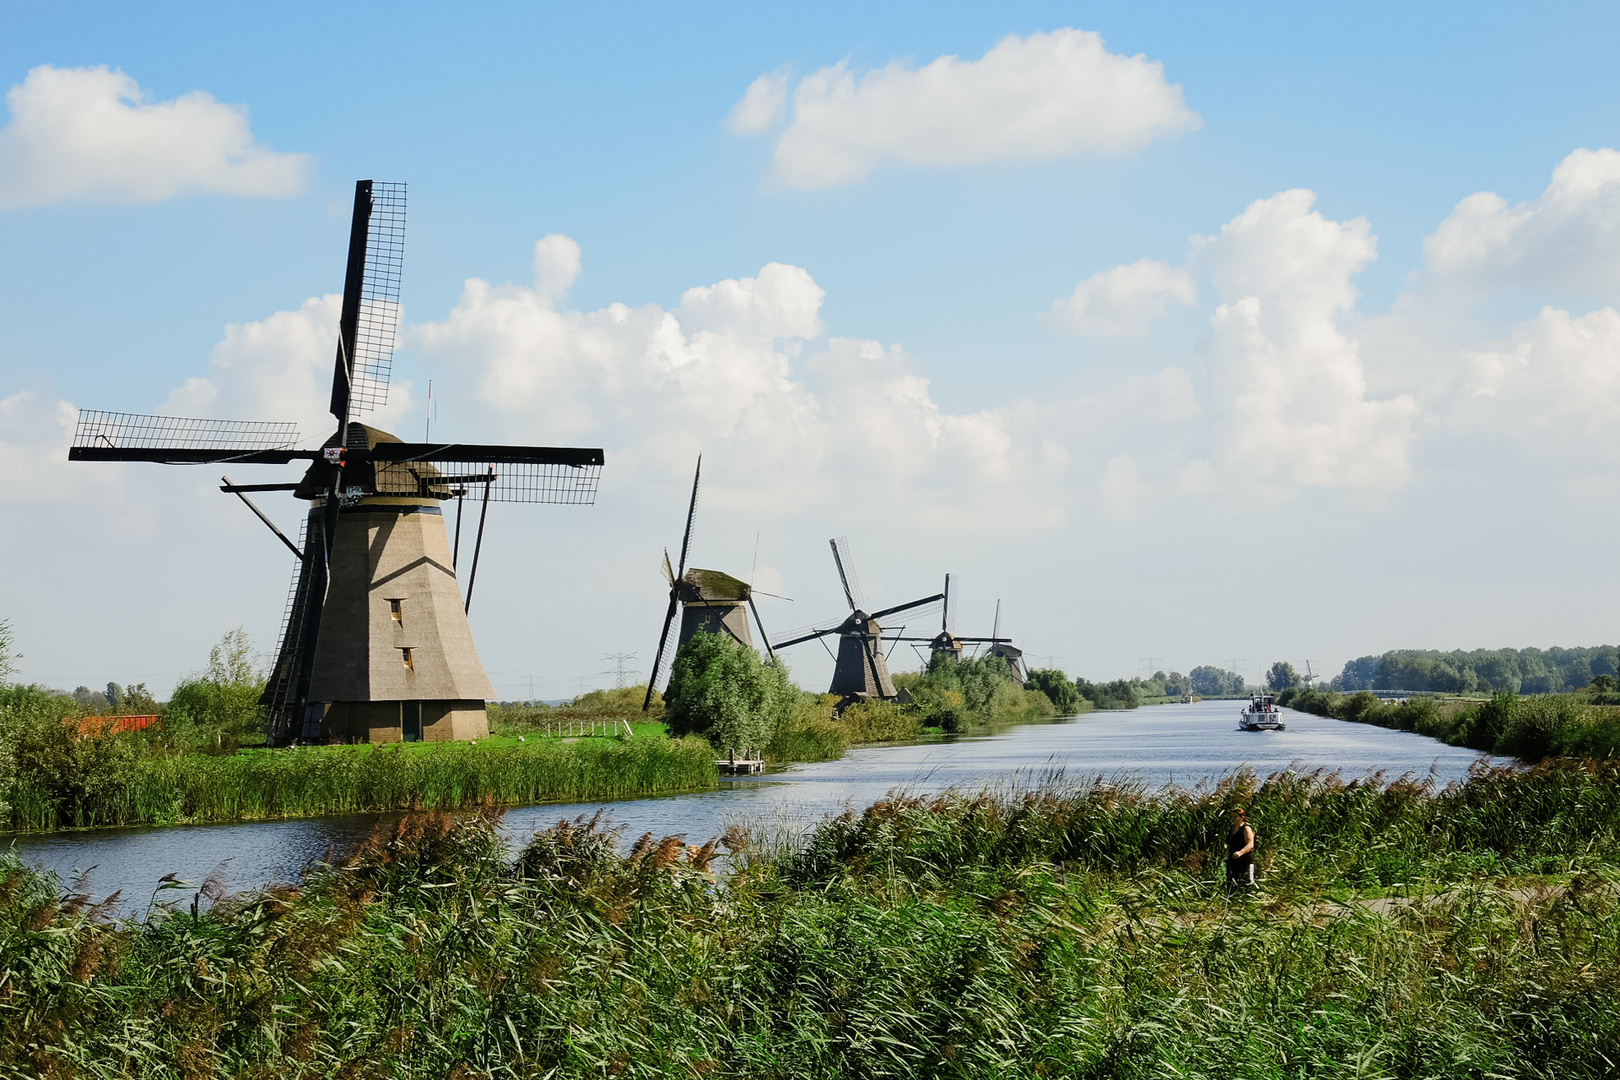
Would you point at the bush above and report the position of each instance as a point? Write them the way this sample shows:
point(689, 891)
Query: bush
point(1119, 694)
point(723, 692)
point(879, 721)
point(1063, 693)
point(219, 709)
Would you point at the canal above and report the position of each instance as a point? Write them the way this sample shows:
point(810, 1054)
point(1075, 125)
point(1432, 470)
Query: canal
point(1180, 745)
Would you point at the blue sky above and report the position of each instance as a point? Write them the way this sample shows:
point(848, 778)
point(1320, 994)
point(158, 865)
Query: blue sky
point(1127, 495)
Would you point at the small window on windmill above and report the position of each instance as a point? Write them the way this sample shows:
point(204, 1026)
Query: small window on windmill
point(396, 609)
point(405, 654)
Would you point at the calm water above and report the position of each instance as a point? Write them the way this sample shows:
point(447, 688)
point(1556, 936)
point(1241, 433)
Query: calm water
point(1182, 745)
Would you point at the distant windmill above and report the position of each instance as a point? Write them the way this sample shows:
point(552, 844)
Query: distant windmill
point(375, 643)
point(861, 668)
point(708, 600)
point(947, 642)
point(1308, 678)
point(1002, 648)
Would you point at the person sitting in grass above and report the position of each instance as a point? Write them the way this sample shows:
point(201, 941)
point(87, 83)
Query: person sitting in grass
point(1240, 852)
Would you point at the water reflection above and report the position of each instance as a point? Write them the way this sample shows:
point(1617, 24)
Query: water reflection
point(1184, 745)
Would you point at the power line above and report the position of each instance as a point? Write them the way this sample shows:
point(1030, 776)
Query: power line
point(619, 672)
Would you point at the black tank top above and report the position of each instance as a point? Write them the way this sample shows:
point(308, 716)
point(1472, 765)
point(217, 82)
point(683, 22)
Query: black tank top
point(1234, 843)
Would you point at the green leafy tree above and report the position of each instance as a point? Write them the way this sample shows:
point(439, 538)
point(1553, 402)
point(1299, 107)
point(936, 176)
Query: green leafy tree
point(723, 691)
point(1282, 676)
point(1215, 682)
point(1057, 686)
point(8, 652)
point(1117, 694)
point(219, 708)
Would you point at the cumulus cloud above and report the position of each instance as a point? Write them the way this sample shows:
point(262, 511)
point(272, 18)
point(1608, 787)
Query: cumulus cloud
point(1567, 237)
point(89, 134)
point(35, 434)
point(1289, 382)
point(1123, 301)
point(737, 369)
point(1044, 96)
point(1559, 379)
point(761, 106)
point(278, 368)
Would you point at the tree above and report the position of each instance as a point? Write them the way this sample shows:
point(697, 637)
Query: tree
point(8, 652)
point(220, 707)
point(1059, 688)
point(1282, 676)
point(1208, 681)
point(723, 691)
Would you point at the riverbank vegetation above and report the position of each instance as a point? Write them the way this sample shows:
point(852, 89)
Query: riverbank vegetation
point(58, 778)
point(1527, 728)
point(1480, 671)
point(1074, 930)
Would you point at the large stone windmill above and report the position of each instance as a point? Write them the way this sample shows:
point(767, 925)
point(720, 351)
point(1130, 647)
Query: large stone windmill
point(375, 644)
point(706, 599)
point(860, 669)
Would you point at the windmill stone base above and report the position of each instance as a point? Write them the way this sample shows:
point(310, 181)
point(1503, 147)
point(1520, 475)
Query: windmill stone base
point(395, 660)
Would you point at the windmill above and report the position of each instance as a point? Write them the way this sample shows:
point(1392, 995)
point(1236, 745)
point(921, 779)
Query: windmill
point(1309, 677)
point(375, 644)
point(1004, 648)
point(860, 669)
point(947, 642)
point(707, 599)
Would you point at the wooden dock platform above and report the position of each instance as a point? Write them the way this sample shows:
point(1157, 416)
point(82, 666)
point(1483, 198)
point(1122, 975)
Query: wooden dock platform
point(741, 766)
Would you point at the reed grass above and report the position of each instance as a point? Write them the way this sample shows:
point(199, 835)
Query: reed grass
point(1063, 928)
point(312, 781)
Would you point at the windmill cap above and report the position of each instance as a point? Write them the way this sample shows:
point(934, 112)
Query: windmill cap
point(712, 585)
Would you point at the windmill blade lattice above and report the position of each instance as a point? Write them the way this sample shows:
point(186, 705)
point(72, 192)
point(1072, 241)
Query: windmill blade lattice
point(846, 573)
point(514, 474)
point(378, 319)
point(104, 434)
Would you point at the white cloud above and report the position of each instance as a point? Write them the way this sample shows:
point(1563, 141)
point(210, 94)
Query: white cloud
point(761, 106)
point(1288, 382)
point(35, 434)
point(1120, 494)
point(1044, 96)
point(88, 134)
point(556, 266)
point(1567, 237)
point(1560, 380)
point(1123, 301)
point(857, 429)
point(279, 368)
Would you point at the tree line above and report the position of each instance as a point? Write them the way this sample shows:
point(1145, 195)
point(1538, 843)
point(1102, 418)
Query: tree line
point(1481, 671)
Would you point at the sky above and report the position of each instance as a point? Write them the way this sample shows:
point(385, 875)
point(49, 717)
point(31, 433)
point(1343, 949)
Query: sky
point(1191, 334)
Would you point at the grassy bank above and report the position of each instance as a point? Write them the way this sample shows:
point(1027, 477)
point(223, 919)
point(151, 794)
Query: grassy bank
point(311, 781)
point(1528, 728)
point(1075, 931)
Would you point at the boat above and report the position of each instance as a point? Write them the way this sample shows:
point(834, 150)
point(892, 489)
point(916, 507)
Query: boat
point(1261, 715)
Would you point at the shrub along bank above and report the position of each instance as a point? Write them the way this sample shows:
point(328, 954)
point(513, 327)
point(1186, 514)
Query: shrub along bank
point(1528, 728)
point(52, 778)
point(1073, 931)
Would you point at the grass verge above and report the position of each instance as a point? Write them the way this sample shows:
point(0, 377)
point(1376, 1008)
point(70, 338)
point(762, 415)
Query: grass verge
point(312, 781)
point(1072, 930)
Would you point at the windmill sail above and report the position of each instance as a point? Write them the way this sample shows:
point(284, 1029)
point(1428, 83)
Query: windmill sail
point(121, 436)
point(370, 315)
point(377, 321)
point(520, 474)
